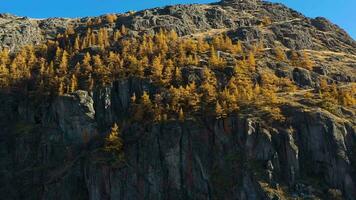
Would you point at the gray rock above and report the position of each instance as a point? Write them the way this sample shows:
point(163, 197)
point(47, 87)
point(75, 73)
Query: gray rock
point(302, 77)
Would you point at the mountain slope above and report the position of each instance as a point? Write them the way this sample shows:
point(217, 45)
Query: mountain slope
point(286, 26)
point(240, 99)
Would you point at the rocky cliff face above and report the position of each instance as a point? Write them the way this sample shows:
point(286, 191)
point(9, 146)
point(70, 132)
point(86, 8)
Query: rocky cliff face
point(50, 151)
point(46, 153)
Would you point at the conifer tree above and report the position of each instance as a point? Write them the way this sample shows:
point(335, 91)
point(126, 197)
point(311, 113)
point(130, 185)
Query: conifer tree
point(111, 18)
point(123, 30)
point(4, 73)
point(63, 66)
point(280, 55)
point(144, 110)
point(230, 97)
point(114, 144)
point(192, 97)
point(215, 60)
point(202, 45)
point(135, 67)
point(4, 57)
point(181, 116)
point(295, 59)
point(61, 88)
point(251, 61)
point(73, 83)
point(76, 46)
point(173, 36)
point(157, 68)
point(101, 72)
point(168, 71)
point(117, 35)
point(178, 76)
point(208, 86)
point(14, 73)
point(237, 49)
point(306, 62)
point(219, 111)
point(58, 56)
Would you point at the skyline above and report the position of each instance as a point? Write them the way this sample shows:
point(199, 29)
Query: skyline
point(341, 13)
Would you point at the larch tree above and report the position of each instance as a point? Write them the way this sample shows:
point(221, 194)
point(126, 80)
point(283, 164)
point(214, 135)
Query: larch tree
point(181, 116)
point(202, 45)
point(280, 54)
point(252, 61)
point(63, 66)
point(157, 68)
point(123, 30)
point(4, 73)
point(110, 18)
point(237, 48)
point(294, 59)
point(215, 61)
point(219, 111)
point(73, 84)
point(114, 144)
point(208, 86)
point(306, 62)
point(76, 46)
point(168, 71)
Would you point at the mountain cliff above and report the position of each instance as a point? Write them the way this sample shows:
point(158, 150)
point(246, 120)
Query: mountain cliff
point(260, 105)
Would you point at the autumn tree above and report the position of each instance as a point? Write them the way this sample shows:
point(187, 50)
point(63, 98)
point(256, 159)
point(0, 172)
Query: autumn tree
point(172, 35)
point(252, 61)
point(229, 97)
point(192, 98)
point(177, 79)
point(294, 60)
point(202, 45)
point(114, 144)
point(306, 62)
point(61, 87)
point(101, 72)
point(168, 71)
point(76, 46)
point(143, 110)
point(280, 54)
point(215, 60)
point(181, 116)
point(4, 57)
point(237, 48)
point(86, 67)
point(63, 66)
point(346, 97)
point(73, 83)
point(135, 67)
point(4, 73)
point(111, 18)
point(219, 111)
point(123, 30)
point(157, 68)
point(208, 87)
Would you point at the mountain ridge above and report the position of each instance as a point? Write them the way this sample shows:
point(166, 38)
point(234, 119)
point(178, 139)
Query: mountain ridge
point(145, 20)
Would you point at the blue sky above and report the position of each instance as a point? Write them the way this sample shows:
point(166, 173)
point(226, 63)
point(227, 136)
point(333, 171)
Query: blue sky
point(341, 12)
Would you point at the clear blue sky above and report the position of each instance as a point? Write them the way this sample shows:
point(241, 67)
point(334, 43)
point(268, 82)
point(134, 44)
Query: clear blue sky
point(341, 12)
